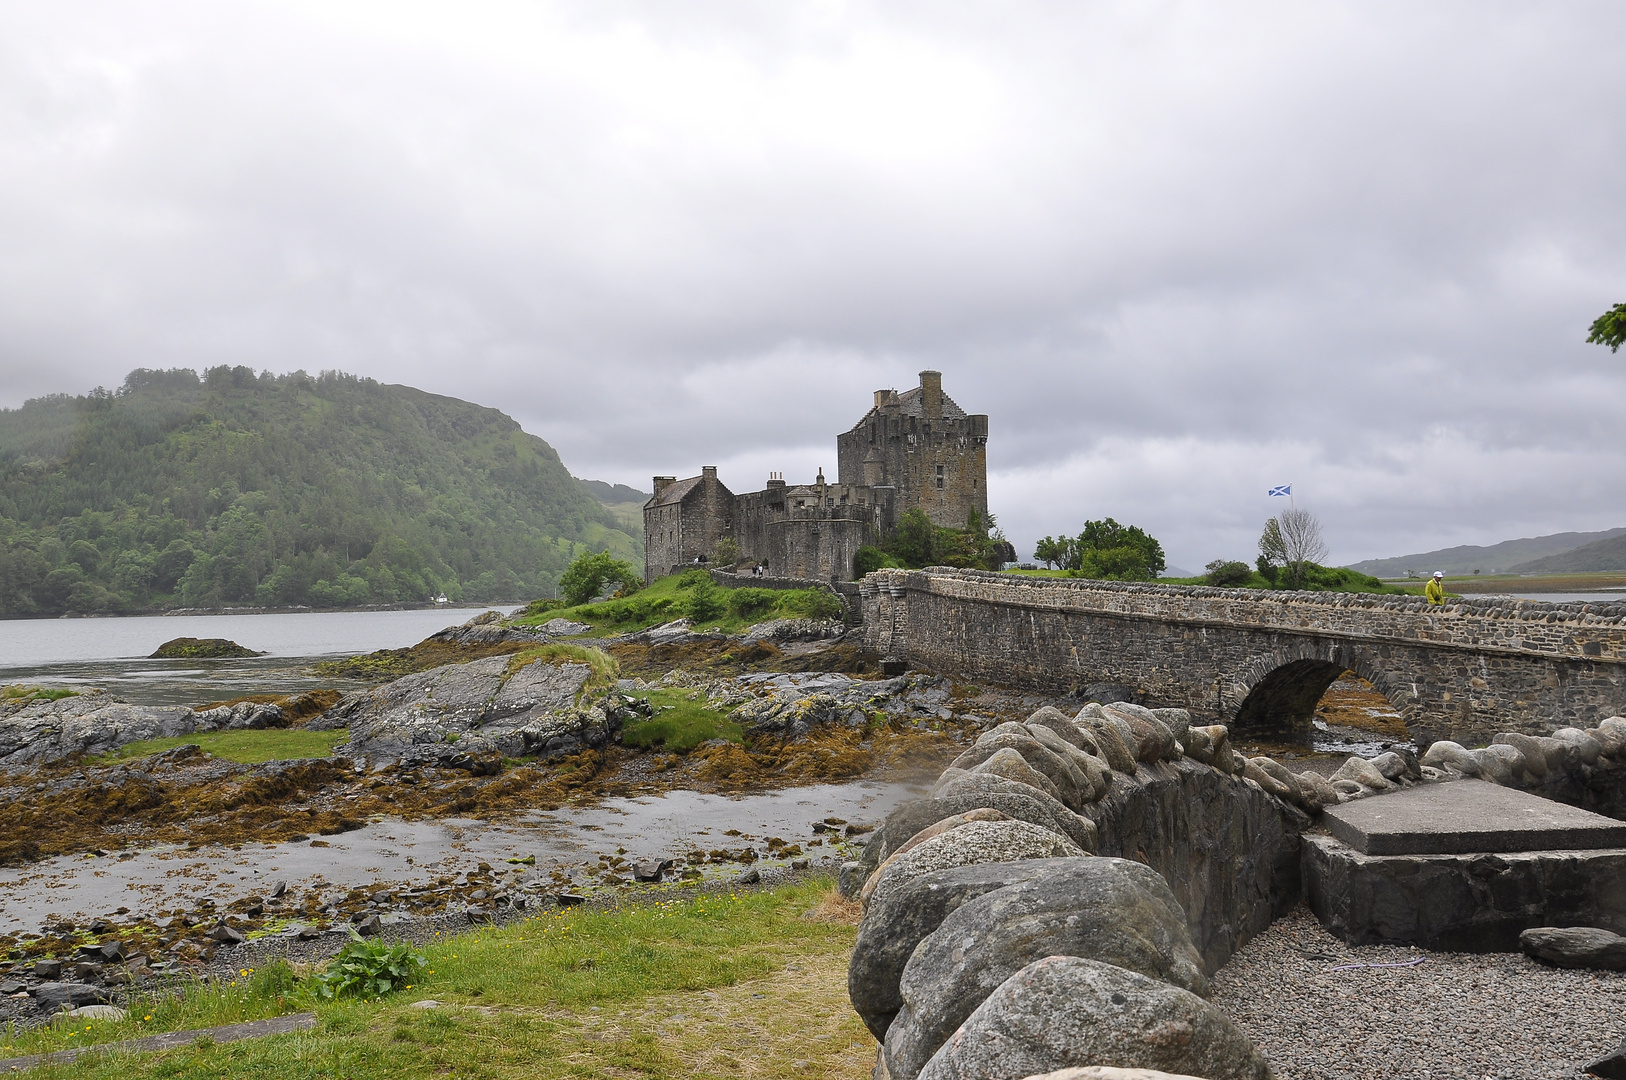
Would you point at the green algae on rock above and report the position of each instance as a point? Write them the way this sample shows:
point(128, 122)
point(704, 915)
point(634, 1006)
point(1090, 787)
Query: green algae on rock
point(191, 648)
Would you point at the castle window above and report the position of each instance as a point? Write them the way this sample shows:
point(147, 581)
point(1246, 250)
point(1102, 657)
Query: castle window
point(940, 476)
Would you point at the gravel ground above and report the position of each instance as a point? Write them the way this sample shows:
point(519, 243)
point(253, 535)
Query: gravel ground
point(1478, 1015)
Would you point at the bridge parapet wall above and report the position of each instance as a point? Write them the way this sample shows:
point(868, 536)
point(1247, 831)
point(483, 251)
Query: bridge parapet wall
point(1465, 670)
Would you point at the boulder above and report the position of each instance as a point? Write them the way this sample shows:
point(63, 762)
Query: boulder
point(1575, 947)
point(1221, 755)
point(1318, 792)
point(930, 832)
point(1609, 740)
point(964, 791)
point(1095, 774)
point(1586, 748)
point(1254, 770)
point(1114, 910)
point(1178, 721)
point(1397, 767)
point(894, 926)
point(1111, 735)
point(56, 995)
point(791, 718)
point(1500, 764)
point(1071, 785)
point(1541, 754)
point(563, 628)
point(1446, 754)
point(1011, 765)
point(1610, 1066)
point(1064, 727)
point(1362, 772)
point(1066, 1011)
point(976, 842)
point(1153, 741)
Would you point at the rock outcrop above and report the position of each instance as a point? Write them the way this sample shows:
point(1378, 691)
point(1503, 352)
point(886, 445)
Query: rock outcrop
point(468, 716)
point(39, 732)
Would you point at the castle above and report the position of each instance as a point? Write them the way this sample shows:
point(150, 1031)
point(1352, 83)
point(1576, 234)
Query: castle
point(917, 449)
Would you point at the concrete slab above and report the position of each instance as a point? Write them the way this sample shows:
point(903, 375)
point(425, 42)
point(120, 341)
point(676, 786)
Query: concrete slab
point(1467, 816)
point(1461, 903)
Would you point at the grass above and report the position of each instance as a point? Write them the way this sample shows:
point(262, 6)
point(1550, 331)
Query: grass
point(750, 985)
point(694, 596)
point(681, 723)
point(18, 692)
point(243, 747)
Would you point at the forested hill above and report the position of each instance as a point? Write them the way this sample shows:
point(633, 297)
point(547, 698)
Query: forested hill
point(246, 489)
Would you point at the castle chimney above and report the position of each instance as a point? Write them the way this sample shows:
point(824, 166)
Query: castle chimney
point(662, 483)
point(709, 472)
point(882, 397)
point(931, 394)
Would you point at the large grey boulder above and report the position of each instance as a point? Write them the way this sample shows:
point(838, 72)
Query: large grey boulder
point(1066, 1011)
point(1153, 740)
point(1575, 947)
point(1011, 765)
point(1070, 783)
point(1112, 735)
point(976, 842)
point(906, 916)
point(1013, 801)
point(1113, 910)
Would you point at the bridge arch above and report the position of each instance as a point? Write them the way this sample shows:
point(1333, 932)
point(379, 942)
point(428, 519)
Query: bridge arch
point(1275, 694)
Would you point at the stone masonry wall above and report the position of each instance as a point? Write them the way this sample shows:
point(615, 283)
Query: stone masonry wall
point(1464, 671)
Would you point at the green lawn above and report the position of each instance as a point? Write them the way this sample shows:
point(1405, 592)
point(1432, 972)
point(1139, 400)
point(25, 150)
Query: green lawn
point(244, 747)
point(694, 596)
point(749, 985)
point(681, 722)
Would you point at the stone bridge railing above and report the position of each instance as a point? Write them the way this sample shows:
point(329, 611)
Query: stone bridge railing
point(1463, 670)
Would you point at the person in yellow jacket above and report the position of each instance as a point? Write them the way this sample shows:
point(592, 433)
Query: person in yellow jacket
point(1435, 590)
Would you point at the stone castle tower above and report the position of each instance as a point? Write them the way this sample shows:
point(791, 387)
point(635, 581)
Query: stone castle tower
point(912, 449)
point(926, 448)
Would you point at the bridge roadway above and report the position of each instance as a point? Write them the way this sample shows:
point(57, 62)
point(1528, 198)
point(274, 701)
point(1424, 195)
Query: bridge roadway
point(1261, 660)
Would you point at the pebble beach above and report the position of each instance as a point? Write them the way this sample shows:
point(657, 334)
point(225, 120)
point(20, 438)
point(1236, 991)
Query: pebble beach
point(1321, 1010)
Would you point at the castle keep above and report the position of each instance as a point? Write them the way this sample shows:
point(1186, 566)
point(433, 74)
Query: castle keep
point(915, 449)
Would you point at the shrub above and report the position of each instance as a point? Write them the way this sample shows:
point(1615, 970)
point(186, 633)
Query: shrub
point(870, 557)
point(1223, 573)
point(370, 969)
point(705, 601)
point(810, 604)
point(749, 602)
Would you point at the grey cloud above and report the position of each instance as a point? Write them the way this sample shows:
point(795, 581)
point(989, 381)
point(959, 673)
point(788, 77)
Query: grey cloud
point(1179, 253)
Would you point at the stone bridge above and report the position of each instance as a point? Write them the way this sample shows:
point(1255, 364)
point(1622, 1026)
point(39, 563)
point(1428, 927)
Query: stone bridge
point(1258, 660)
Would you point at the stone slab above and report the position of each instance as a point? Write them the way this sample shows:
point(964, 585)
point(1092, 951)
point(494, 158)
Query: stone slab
point(1468, 816)
point(1477, 902)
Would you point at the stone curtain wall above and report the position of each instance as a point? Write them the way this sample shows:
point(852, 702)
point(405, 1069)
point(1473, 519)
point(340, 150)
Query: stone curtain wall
point(1464, 671)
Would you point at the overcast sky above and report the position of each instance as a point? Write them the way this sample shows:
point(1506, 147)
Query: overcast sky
point(1179, 253)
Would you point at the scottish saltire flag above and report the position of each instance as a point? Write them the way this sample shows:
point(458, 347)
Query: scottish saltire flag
point(1284, 491)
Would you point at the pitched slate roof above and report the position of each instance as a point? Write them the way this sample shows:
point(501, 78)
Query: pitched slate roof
point(674, 492)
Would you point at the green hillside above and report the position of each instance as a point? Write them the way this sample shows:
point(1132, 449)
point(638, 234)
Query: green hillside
point(1606, 554)
point(246, 489)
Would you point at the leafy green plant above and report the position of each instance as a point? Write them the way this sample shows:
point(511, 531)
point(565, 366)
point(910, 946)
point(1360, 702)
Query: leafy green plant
point(586, 577)
point(370, 969)
point(1227, 572)
point(748, 602)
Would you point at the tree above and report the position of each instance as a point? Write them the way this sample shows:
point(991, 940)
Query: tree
point(1292, 540)
point(1609, 328)
point(1052, 552)
point(1109, 551)
point(1223, 573)
point(585, 578)
point(915, 543)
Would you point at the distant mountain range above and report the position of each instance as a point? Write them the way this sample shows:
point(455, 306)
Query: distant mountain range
point(1557, 553)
